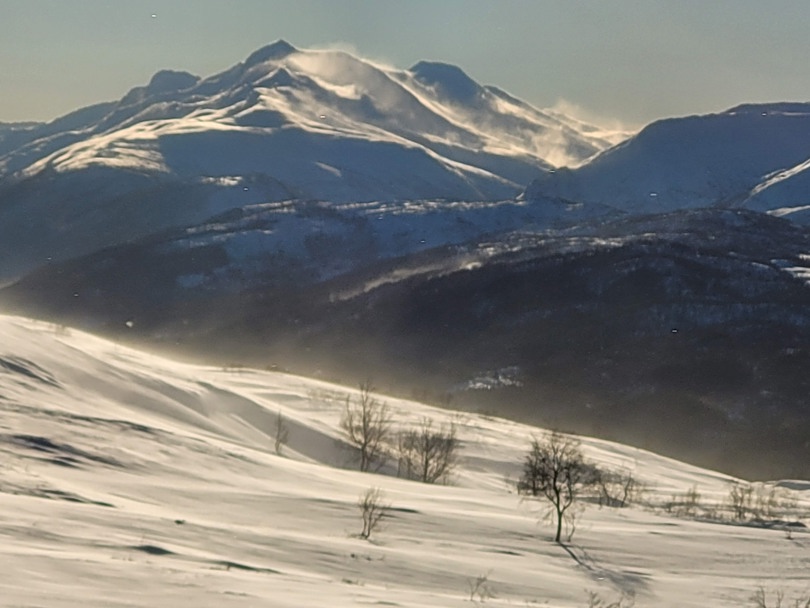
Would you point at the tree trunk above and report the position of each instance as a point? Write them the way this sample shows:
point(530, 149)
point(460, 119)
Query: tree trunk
point(559, 526)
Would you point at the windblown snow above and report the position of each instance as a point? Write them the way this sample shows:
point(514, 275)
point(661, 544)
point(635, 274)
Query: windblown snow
point(752, 156)
point(328, 95)
point(129, 479)
point(285, 124)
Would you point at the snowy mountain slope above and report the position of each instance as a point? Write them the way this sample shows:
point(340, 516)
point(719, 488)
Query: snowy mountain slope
point(333, 92)
point(134, 480)
point(697, 161)
point(667, 330)
point(784, 194)
point(296, 243)
point(284, 124)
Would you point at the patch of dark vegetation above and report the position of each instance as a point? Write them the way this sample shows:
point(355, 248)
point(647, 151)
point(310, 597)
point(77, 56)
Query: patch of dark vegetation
point(62, 454)
point(38, 443)
point(401, 510)
point(152, 550)
point(229, 565)
point(28, 369)
point(54, 494)
point(115, 424)
point(778, 524)
point(66, 461)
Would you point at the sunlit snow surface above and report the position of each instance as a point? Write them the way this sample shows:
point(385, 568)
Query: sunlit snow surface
point(282, 101)
point(132, 480)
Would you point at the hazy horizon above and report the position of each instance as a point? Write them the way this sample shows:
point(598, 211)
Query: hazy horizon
point(631, 61)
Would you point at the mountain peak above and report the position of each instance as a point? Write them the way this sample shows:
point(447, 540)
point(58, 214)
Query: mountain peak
point(449, 80)
point(273, 51)
point(166, 81)
point(784, 107)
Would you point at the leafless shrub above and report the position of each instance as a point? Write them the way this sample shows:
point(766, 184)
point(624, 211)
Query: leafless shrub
point(426, 454)
point(686, 504)
point(480, 590)
point(625, 600)
point(758, 502)
point(366, 422)
point(325, 395)
point(372, 509)
point(616, 488)
point(740, 499)
point(282, 434)
point(771, 502)
point(760, 599)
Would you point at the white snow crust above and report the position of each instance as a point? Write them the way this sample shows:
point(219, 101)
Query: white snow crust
point(129, 479)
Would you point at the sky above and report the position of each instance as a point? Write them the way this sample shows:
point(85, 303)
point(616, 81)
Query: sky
point(623, 61)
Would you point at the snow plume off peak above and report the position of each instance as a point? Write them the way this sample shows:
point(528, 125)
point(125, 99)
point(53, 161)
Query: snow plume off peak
point(275, 121)
point(448, 80)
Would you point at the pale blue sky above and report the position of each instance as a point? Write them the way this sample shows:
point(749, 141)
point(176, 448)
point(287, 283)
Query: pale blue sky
point(633, 60)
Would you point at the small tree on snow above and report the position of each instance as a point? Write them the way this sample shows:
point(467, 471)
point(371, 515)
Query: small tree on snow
point(366, 422)
point(372, 509)
point(282, 434)
point(555, 470)
point(427, 454)
point(760, 600)
point(740, 498)
point(616, 488)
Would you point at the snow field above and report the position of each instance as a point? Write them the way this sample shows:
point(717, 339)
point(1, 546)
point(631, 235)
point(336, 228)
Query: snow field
point(127, 479)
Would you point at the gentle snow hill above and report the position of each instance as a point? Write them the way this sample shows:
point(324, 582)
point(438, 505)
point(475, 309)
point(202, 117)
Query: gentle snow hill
point(132, 480)
point(752, 156)
point(284, 124)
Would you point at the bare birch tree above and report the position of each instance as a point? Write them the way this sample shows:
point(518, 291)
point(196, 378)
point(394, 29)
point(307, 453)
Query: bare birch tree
point(427, 454)
point(555, 469)
point(372, 510)
point(366, 422)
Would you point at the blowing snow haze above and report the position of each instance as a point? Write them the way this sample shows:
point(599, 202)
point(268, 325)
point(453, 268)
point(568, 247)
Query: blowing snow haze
point(323, 213)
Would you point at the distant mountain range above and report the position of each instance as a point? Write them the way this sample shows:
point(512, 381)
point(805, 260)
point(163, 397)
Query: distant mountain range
point(750, 157)
point(284, 124)
point(324, 214)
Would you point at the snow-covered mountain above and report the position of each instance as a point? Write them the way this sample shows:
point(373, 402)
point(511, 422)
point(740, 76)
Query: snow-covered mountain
point(752, 156)
point(130, 479)
point(284, 124)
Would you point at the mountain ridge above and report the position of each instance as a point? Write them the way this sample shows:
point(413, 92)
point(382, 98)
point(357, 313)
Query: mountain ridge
point(716, 160)
point(284, 124)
